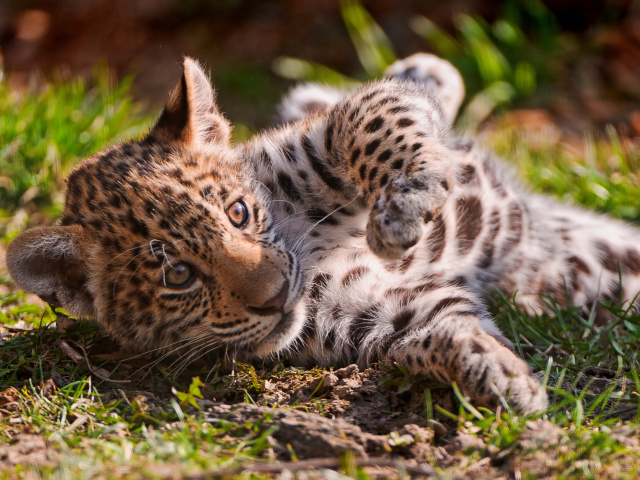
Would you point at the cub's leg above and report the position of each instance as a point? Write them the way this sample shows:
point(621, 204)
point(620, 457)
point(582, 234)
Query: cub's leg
point(389, 140)
point(452, 347)
point(385, 143)
point(594, 259)
point(431, 326)
point(435, 74)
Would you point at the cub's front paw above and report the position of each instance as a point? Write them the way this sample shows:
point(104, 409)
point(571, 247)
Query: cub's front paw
point(397, 220)
point(491, 371)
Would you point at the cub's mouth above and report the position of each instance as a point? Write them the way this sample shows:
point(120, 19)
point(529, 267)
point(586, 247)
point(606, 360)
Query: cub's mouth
point(287, 327)
point(282, 327)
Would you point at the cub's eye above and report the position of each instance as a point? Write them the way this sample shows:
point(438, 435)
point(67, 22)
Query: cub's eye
point(178, 276)
point(238, 214)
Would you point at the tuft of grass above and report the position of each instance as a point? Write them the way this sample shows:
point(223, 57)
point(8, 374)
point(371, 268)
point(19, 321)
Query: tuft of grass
point(502, 63)
point(600, 173)
point(46, 130)
point(372, 45)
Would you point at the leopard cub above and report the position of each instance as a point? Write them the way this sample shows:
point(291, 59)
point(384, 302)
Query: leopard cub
point(362, 229)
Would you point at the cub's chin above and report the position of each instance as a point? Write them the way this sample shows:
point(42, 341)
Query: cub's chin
point(285, 331)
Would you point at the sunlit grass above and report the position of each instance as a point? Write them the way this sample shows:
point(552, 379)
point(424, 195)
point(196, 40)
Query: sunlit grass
point(46, 129)
point(598, 172)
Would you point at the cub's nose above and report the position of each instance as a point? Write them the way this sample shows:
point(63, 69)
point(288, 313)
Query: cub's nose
point(274, 304)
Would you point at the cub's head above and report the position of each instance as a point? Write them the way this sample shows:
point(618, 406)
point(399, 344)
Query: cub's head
point(168, 242)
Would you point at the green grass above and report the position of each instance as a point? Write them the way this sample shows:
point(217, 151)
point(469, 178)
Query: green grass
point(126, 437)
point(503, 63)
point(45, 130)
point(600, 173)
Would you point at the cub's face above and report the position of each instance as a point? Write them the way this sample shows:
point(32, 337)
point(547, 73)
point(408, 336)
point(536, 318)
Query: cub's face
point(168, 242)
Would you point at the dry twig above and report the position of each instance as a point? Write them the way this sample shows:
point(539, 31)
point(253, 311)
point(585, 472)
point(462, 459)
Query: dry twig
point(75, 356)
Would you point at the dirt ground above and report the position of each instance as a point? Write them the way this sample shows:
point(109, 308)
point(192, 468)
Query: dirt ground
point(350, 412)
point(328, 415)
point(377, 415)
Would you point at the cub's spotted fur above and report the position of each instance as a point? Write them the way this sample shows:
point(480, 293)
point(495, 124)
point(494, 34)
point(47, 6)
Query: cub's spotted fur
point(363, 231)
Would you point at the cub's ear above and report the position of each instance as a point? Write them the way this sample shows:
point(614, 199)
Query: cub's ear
point(49, 261)
point(191, 115)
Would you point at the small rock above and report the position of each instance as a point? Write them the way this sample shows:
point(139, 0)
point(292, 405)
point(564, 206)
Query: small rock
point(48, 388)
point(26, 448)
point(64, 323)
point(343, 391)
point(323, 384)
point(59, 380)
point(419, 434)
point(627, 441)
point(439, 430)
point(463, 441)
point(541, 434)
point(353, 383)
point(346, 371)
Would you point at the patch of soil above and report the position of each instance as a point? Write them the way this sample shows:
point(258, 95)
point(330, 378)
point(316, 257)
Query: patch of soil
point(319, 413)
point(346, 410)
point(306, 434)
point(358, 397)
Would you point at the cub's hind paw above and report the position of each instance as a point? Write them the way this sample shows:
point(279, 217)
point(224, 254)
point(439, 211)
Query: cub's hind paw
point(493, 371)
point(395, 226)
point(435, 74)
point(306, 99)
point(390, 235)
